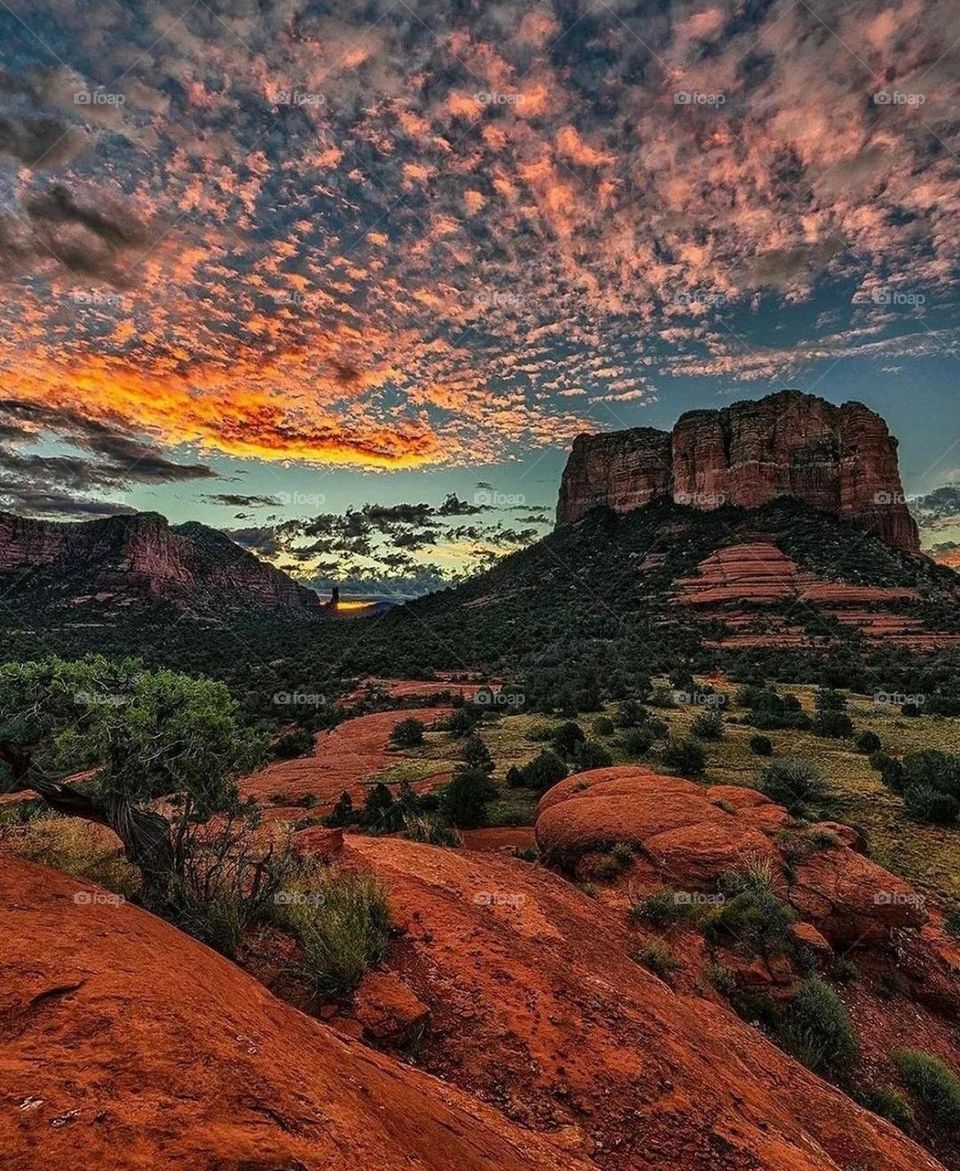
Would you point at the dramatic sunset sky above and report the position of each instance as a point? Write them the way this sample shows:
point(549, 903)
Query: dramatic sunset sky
point(266, 261)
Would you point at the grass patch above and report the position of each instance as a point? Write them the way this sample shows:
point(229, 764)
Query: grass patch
point(932, 1083)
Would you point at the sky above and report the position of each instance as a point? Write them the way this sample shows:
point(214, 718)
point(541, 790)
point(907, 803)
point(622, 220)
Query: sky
point(264, 263)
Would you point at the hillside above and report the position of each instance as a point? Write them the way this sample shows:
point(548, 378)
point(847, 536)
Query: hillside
point(95, 570)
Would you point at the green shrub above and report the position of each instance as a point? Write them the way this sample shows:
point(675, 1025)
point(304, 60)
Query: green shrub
point(662, 697)
point(816, 1028)
point(761, 745)
point(296, 742)
point(476, 755)
point(407, 733)
point(828, 700)
point(605, 867)
point(723, 980)
point(659, 959)
point(929, 805)
point(932, 1083)
point(430, 830)
point(514, 778)
point(888, 1104)
point(591, 754)
point(951, 922)
point(630, 714)
point(623, 852)
point(343, 930)
point(868, 742)
point(543, 771)
point(835, 725)
point(566, 737)
point(708, 726)
point(878, 761)
point(793, 783)
point(752, 915)
point(685, 755)
point(637, 742)
point(661, 909)
point(465, 798)
point(603, 726)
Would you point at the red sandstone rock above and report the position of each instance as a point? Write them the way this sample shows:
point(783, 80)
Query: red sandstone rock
point(126, 1045)
point(139, 555)
point(839, 459)
point(388, 1010)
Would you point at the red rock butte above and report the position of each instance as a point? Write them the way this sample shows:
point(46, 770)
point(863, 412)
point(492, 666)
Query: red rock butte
point(840, 459)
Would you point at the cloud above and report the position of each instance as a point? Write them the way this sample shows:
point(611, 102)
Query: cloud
point(235, 500)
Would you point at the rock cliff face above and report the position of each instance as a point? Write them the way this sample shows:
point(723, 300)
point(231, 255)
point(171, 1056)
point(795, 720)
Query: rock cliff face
point(839, 459)
point(141, 555)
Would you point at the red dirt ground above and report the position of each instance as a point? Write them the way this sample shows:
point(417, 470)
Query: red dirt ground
point(342, 759)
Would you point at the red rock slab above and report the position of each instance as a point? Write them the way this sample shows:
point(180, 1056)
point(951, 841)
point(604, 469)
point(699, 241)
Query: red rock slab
point(342, 759)
point(672, 820)
point(500, 838)
point(852, 900)
point(127, 1046)
point(537, 1005)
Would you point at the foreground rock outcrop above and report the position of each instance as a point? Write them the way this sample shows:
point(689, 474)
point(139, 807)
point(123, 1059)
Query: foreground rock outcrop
point(126, 1045)
point(537, 1006)
point(840, 459)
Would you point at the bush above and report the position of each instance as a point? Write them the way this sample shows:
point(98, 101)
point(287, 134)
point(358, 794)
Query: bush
point(636, 742)
point(751, 915)
point(630, 714)
point(932, 1083)
point(603, 726)
point(464, 720)
point(761, 745)
point(465, 798)
point(835, 725)
point(591, 754)
point(708, 726)
point(296, 742)
point(879, 760)
point(817, 1030)
point(925, 804)
point(623, 853)
point(514, 778)
point(828, 700)
point(662, 697)
point(407, 733)
point(431, 831)
point(660, 909)
point(566, 737)
point(476, 755)
point(686, 756)
point(659, 959)
point(343, 929)
point(543, 771)
point(868, 743)
point(793, 783)
point(888, 1104)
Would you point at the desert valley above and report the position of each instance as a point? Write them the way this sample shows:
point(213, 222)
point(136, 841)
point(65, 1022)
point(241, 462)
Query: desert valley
point(479, 585)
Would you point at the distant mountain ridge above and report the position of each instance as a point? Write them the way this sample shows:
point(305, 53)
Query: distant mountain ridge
point(121, 560)
point(838, 459)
